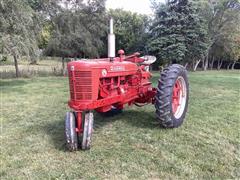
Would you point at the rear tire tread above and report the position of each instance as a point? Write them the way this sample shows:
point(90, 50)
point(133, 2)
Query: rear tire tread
point(163, 101)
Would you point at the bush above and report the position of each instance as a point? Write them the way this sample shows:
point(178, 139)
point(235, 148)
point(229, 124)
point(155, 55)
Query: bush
point(4, 58)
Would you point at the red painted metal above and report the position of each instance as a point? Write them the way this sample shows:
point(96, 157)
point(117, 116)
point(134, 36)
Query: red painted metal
point(79, 128)
point(99, 84)
point(177, 91)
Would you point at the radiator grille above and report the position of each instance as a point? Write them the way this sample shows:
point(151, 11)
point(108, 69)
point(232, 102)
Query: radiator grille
point(81, 88)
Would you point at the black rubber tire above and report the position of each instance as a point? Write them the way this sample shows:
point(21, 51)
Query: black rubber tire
point(163, 103)
point(70, 132)
point(86, 136)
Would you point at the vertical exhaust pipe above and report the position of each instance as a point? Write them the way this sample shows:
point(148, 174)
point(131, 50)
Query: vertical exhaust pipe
point(111, 41)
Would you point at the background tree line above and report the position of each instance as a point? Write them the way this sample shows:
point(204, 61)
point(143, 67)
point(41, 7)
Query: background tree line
point(195, 33)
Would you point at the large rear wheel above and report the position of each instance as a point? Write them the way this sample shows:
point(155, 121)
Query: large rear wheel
point(172, 96)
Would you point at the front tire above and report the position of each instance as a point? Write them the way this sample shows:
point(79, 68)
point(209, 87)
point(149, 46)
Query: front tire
point(70, 132)
point(87, 131)
point(172, 96)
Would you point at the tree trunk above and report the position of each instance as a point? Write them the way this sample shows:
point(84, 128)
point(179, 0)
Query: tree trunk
point(186, 65)
point(63, 66)
point(16, 65)
point(212, 63)
point(233, 65)
point(219, 64)
point(196, 65)
point(228, 66)
point(205, 64)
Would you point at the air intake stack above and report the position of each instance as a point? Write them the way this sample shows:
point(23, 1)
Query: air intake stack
point(111, 41)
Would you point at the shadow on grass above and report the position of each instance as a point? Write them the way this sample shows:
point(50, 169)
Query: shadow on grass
point(55, 130)
point(132, 118)
point(140, 119)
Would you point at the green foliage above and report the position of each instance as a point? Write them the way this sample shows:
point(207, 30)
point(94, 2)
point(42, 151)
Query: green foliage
point(131, 30)
point(223, 19)
point(3, 58)
point(18, 28)
point(79, 31)
point(45, 35)
point(36, 5)
point(46, 9)
point(178, 34)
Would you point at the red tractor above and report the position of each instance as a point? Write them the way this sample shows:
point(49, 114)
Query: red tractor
point(107, 85)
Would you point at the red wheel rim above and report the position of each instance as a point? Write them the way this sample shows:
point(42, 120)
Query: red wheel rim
point(179, 97)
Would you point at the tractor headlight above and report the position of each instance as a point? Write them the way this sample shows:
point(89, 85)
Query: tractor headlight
point(104, 72)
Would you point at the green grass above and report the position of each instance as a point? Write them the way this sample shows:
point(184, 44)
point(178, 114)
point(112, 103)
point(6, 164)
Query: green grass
point(128, 145)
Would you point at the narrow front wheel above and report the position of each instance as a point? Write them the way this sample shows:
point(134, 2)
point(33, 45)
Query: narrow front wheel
point(87, 131)
point(70, 132)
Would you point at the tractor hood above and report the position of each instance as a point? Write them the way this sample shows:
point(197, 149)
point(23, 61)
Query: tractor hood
point(104, 67)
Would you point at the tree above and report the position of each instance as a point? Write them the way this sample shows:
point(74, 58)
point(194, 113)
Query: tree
point(17, 30)
point(178, 35)
point(235, 48)
point(45, 35)
point(78, 31)
point(222, 18)
point(131, 30)
point(45, 11)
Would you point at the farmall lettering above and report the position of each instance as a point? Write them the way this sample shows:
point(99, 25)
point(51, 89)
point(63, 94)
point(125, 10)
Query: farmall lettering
point(108, 85)
point(117, 68)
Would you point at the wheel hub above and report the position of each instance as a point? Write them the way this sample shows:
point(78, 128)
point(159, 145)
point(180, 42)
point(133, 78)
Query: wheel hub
point(179, 97)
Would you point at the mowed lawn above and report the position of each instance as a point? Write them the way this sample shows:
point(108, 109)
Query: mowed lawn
point(129, 145)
